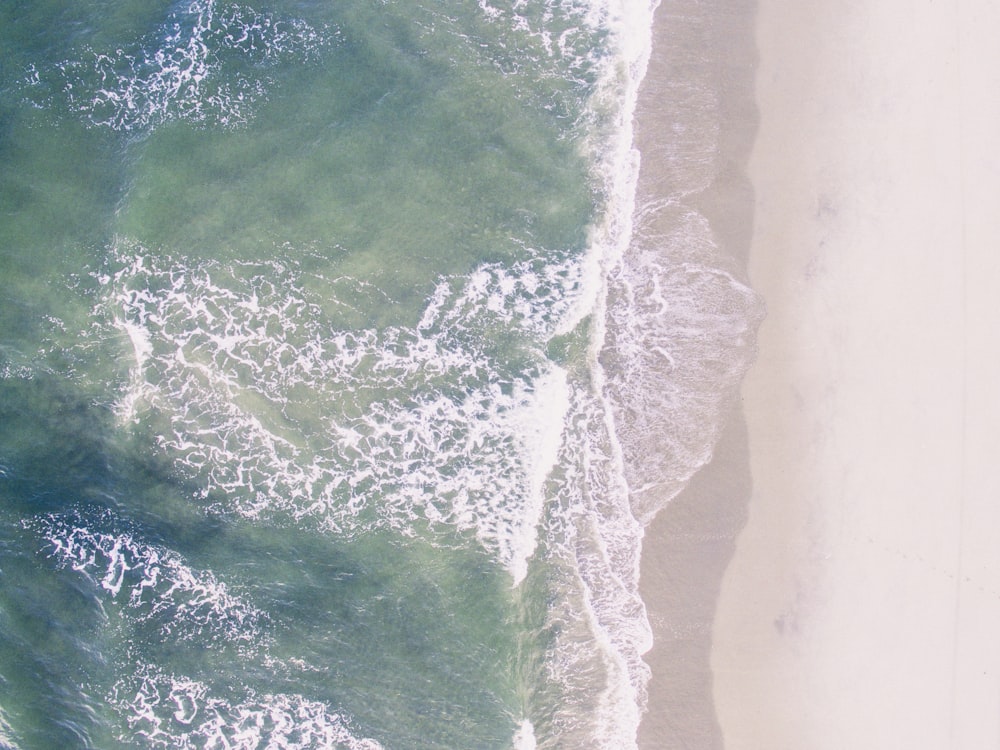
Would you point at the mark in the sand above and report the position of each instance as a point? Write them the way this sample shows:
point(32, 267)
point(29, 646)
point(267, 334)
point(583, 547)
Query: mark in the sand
point(789, 622)
point(942, 570)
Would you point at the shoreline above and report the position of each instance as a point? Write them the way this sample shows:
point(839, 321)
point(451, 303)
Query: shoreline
point(687, 549)
point(689, 543)
point(861, 606)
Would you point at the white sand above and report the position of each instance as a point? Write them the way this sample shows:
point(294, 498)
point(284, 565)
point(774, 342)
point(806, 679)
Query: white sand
point(862, 608)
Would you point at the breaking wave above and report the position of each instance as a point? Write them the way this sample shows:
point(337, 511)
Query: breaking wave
point(152, 583)
point(167, 711)
point(207, 63)
point(280, 412)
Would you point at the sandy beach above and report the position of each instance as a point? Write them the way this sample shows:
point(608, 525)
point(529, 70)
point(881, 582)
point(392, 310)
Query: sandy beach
point(708, 100)
point(863, 602)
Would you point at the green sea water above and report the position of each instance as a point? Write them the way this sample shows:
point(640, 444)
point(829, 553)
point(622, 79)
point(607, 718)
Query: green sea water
point(222, 225)
point(304, 439)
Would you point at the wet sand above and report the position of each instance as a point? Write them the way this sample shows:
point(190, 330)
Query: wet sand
point(689, 544)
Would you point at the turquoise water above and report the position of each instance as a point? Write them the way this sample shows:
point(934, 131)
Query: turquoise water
point(304, 438)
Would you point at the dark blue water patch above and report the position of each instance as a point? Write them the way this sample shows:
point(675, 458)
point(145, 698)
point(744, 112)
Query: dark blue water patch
point(419, 641)
point(418, 654)
point(52, 641)
point(109, 564)
point(63, 451)
point(53, 443)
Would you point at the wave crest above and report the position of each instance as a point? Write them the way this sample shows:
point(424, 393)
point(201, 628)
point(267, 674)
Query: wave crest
point(204, 64)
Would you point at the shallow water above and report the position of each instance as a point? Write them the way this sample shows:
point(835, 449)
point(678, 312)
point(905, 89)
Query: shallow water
point(305, 440)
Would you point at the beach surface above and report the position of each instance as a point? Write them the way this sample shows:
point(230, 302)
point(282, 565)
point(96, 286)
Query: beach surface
point(695, 126)
point(862, 604)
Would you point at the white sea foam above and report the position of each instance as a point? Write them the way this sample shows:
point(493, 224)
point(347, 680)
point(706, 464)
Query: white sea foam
point(16, 372)
point(8, 737)
point(280, 412)
point(599, 628)
point(554, 45)
point(683, 337)
point(524, 738)
point(672, 334)
point(540, 423)
point(181, 71)
point(152, 583)
point(171, 711)
point(125, 409)
point(594, 534)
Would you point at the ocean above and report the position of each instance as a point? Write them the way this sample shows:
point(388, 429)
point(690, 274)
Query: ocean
point(336, 390)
